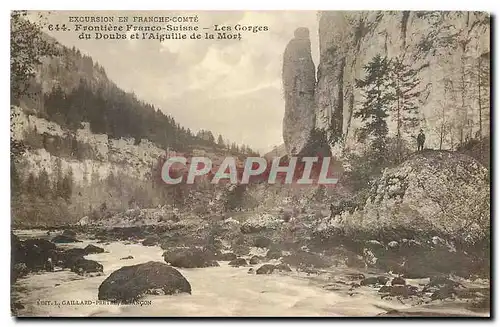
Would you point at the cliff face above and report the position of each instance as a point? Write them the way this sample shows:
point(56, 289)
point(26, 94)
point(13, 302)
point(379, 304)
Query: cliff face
point(298, 84)
point(102, 155)
point(448, 50)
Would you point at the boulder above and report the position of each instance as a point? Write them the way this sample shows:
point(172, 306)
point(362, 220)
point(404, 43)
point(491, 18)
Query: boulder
point(91, 249)
point(398, 281)
point(262, 242)
point(403, 291)
point(132, 282)
point(189, 258)
point(64, 239)
point(67, 259)
point(37, 254)
point(127, 257)
point(269, 268)
point(238, 262)
point(380, 280)
point(255, 260)
point(151, 241)
point(444, 292)
point(265, 269)
point(229, 256)
point(282, 267)
point(84, 267)
point(84, 221)
point(69, 233)
point(306, 259)
point(18, 250)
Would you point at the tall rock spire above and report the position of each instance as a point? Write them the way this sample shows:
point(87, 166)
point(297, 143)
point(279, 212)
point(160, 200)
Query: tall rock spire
point(299, 81)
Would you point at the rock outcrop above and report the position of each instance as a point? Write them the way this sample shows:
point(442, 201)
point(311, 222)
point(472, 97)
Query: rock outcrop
point(190, 258)
point(298, 83)
point(428, 216)
point(438, 192)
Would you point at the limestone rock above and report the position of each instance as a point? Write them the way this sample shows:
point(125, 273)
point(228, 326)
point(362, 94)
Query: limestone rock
point(299, 81)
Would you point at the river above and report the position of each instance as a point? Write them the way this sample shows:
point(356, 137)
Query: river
point(216, 291)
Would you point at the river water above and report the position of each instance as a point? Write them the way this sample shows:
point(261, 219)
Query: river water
point(216, 291)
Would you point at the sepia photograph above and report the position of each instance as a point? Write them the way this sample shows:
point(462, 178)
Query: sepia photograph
point(284, 163)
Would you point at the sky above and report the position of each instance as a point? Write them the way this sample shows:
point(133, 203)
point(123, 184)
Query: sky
point(231, 87)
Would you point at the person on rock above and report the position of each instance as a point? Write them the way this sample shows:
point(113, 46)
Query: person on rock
point(49, 265)
point(420, 140)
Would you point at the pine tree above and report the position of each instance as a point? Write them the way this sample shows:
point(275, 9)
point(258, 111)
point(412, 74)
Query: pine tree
point(405, 83)
point(374, 110)
point(220, 141)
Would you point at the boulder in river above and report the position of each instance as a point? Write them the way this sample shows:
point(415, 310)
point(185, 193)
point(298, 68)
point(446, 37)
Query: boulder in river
point(91, 249)
point(127, 257)
point(69, 233)
point(239, 262)
point(380, 280)
point(229, 256)
point(64, 239)
point(151, 241)
point(37, 253)
point(282, 267)
point(398, 281)
point(132, 282)
point(84, 267)
point(255, 260)
point(67, 259)
point(306, 259)
point(189, 258)
point(265, 269)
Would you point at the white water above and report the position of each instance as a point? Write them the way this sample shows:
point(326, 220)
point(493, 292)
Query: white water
point(216, 291)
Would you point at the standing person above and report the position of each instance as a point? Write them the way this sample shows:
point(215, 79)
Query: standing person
point(420, 140)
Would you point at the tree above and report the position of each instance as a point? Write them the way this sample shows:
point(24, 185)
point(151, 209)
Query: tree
point(220, 141)
point(374, 110)
point(405, 83)
point(443, 123)
point(28, 45)
point(483, 88)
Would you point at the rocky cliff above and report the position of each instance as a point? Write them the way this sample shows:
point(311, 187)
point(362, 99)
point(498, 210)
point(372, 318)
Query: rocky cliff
point(298, 84)
point(448, 50)
point(436, 193)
